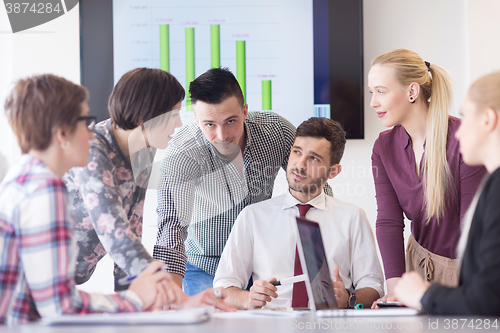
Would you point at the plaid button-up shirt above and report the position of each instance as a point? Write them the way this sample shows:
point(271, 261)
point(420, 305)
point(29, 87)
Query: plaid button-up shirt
point(38, 253)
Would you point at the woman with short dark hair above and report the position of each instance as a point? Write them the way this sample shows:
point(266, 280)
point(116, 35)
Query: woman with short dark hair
point(109, 192)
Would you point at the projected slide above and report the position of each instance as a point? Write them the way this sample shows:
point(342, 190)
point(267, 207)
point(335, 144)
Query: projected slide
point(267, 44)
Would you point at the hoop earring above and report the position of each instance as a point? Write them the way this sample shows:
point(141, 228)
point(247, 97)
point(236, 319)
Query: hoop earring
point(412, 99)
point(65, 145)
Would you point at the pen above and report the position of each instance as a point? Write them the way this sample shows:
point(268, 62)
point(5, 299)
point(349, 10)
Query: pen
point(127, 279)
point(124, 281)
point(295, 279)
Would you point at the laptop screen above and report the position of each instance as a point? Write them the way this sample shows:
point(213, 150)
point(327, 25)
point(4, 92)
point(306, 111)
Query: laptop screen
point(314, 264)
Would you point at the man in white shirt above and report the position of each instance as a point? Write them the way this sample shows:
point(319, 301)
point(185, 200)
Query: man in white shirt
point(263, 239)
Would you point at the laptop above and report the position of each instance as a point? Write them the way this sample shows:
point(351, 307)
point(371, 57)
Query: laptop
point(318, 280)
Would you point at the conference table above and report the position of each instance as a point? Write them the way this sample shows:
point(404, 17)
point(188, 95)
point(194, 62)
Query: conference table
point(238, 322)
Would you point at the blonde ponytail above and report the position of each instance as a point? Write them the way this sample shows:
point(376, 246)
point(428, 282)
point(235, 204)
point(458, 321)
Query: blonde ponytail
point(435, 91)
point(437, 175)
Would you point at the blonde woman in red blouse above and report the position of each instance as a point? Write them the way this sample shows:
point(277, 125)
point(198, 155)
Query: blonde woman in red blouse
point(417, 168)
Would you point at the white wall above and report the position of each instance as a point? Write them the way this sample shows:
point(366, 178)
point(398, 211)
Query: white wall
point(483, 37)
point(461, 35)
point(53, 47)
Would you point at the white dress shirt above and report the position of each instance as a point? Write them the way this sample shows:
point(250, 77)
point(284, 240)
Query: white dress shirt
point(263, 239)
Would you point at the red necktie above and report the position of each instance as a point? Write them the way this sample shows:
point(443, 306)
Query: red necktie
point(299, 295)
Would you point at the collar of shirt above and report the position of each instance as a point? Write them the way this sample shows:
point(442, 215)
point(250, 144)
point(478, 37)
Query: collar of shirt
point(34, 163)
point(248, 139)
point(291, 202)
point(105, 128)
point(405, 137)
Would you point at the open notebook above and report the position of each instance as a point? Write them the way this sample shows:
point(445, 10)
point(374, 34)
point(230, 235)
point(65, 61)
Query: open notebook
point(134, 318)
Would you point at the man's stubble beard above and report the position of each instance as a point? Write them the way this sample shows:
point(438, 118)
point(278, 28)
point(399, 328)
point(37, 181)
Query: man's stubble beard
point(309, 188)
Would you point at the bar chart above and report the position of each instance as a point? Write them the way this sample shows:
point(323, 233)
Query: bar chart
point(214, 59)
point(267, 44)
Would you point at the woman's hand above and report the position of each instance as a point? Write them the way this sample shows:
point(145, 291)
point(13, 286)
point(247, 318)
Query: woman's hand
point(391, 283)
point(150, 286)
point(410, 290)
point(212, 296)
point(382, 299)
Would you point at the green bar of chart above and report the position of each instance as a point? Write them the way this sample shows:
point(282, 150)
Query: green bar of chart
point(190, 73)
point(241, 66)
point(215, 45)
point(167, 54)
point(266, 95)
point(164, 47)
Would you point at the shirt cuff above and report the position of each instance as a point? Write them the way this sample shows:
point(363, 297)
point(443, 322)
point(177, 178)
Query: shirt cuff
point(133, 298)
point(371, 282)
point(175, 261)
point(226, 283)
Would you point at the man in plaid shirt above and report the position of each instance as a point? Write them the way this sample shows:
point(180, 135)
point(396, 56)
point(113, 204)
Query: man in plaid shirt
point(211, 170)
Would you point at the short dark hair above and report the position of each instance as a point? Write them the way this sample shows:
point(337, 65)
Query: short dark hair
point(143, 94)
point(38, 105)
point(319, 127)
point(214, 86)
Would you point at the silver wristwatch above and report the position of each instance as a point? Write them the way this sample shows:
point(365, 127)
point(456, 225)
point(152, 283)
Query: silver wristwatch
point(351, 301)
